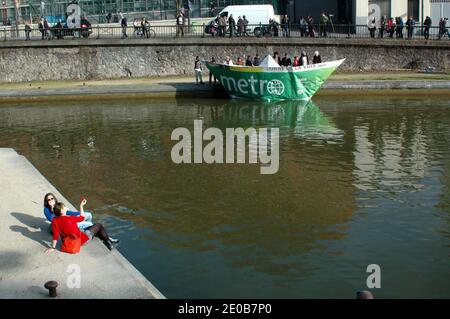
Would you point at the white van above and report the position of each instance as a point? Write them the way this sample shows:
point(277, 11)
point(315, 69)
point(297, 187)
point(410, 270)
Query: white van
point(255, 14)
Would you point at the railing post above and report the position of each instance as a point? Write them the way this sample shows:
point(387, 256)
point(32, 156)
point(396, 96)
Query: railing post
point(348, 31)
point(98, 31)
point(203, 31)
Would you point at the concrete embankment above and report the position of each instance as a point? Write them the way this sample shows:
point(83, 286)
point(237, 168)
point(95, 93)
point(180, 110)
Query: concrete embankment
point(185, 88)
point(24, 235)
point(85, 59)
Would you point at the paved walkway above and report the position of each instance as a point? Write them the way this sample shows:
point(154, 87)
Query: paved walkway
point(186, 88)
point(24, 234)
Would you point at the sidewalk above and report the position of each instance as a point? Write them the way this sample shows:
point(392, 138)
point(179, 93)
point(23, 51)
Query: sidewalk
point(24, 234)
point(184, 87)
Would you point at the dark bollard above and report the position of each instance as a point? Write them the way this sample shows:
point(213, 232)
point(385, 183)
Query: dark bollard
point(51, 286)
point(364, 294)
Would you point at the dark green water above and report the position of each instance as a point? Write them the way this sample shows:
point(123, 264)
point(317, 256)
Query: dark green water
point(361, 181)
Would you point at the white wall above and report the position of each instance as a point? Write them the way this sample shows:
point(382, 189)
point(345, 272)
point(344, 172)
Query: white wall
point(399, 8)
point(438, 11)
point(361, 8)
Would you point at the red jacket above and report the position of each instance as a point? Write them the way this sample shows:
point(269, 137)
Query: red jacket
point(65, 225)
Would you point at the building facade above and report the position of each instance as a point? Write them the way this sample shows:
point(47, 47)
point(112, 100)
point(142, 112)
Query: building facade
point(342, 11)
point(97, 10)
point(358, 11)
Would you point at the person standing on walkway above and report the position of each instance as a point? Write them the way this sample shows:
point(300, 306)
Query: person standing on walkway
point(399, 27)
point(382, 27)
point(180, 24)
point(27, 31)
point(41, 28)
point(231, 25)
point(410, 23)
point(323, 25)
point(46, 30)
point(124, 25)
point(240, 26)
point(244, 26)
point(391, 27)
point(222, 26)
point(443, 28)
point(371, 26)
point(427, 26)
point(198, 70)
point(303, 25)
point(285, 25)
point(310, 22)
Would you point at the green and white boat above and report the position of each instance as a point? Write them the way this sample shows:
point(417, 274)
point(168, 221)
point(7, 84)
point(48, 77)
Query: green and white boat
point(270, 82)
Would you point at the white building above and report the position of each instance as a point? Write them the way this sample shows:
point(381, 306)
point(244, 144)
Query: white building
point(358, 11)
point(439, 9)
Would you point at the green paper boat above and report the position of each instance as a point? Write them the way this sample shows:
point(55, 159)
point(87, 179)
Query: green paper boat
point(270, 82)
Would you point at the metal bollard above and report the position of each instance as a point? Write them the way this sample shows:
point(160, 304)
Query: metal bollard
point(51, 286)
point(364, 294)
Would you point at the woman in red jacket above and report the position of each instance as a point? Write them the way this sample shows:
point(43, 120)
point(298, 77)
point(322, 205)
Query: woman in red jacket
point(66, 226)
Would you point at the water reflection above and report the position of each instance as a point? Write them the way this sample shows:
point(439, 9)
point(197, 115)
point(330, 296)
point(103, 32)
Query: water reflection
point(356, 181)
point(121, 157)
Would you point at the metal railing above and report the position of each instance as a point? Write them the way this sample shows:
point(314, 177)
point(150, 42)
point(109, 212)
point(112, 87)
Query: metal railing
point(114, 31)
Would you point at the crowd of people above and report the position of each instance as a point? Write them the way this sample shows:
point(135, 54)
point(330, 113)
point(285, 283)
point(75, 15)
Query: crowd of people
point(391, 26)
point(285, 61)
point(231, 26)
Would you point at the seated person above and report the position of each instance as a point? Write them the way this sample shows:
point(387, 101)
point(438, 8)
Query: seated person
point(49, 203)
point(66, 226)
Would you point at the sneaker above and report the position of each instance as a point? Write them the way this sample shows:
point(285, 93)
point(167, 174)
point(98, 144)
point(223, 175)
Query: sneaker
point(108, 245)
point(114, 240)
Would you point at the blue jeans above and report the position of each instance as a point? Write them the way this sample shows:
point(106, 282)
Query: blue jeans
point(86, 223)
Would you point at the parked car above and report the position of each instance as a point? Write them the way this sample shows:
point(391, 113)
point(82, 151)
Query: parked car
point(84, 30)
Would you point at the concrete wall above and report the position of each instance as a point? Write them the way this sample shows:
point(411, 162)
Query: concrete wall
point(103, 59)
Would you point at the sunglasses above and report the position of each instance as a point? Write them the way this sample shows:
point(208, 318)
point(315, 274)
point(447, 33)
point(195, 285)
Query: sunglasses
point(49, 199)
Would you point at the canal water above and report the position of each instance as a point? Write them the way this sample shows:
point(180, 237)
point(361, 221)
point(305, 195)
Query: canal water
point(361, 181)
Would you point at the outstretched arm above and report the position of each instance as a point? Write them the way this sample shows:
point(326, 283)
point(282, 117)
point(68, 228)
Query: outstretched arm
point(83, 202)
